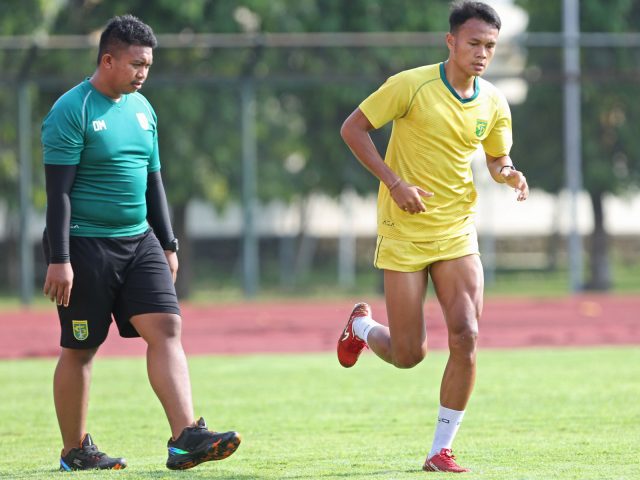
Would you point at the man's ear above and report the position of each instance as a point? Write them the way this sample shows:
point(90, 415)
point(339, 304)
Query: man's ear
point(107, 61)
point(451, 40)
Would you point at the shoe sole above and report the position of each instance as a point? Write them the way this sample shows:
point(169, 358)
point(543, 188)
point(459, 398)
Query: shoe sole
point(428, 468)
point(219, 450)
point(117, 466)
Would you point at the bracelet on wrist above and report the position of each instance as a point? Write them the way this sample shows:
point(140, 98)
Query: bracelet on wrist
point(395, 184)
point(506, 166)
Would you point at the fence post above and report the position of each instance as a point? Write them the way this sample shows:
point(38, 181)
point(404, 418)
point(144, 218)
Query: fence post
point(250, 258)
point(24, 153)
point(572, 137)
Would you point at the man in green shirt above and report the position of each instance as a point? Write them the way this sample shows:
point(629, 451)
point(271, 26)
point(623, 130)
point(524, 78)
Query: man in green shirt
point(111, 251)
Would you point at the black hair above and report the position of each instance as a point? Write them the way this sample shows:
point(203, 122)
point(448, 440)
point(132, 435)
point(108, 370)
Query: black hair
point(462, 11)
point(125, 30)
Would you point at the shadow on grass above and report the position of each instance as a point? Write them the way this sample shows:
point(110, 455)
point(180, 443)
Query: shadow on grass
point(195, 473)
point(352, 474)
point(133, 474)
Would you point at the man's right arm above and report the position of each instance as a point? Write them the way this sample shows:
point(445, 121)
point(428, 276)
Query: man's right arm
point(59, 180)
point(355, 132)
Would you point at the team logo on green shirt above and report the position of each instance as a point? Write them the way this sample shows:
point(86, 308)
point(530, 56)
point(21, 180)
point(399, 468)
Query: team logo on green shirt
point(481, 126)
point(80, 329)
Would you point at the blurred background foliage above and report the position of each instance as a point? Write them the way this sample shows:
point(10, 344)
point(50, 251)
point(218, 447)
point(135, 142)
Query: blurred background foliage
point(304, 94)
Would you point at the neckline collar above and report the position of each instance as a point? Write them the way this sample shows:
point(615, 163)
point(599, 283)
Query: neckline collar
point(118, 102)
point(476, 86)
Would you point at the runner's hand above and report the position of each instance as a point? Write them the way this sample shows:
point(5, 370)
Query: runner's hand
point(516, 180)
point(58, 283)
point(410, 198)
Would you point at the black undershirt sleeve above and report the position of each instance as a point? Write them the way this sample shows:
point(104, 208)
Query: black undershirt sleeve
point(158, 209)
point(59, 180)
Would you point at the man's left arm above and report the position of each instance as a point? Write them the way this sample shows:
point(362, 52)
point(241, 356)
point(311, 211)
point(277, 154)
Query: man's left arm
point(158, 218)
point(497, 145)
point(502, 170)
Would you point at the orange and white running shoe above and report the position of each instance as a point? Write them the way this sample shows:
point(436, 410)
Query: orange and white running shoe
point(443, 462)
point(350, 346)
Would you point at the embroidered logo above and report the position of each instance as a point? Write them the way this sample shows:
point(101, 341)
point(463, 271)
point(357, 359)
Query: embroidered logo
point(99, 125)
point(80, 329)
point(142, 120)
point(481, 127)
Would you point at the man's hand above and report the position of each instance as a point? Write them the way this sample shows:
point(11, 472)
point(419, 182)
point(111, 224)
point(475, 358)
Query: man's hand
point(58, 283)
point(172, 260)
point(516, 180)
point(410, 198)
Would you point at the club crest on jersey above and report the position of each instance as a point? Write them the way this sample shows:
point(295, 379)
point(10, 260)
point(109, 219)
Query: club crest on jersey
point(481, 127)
point(142, 120)
point(80, 329)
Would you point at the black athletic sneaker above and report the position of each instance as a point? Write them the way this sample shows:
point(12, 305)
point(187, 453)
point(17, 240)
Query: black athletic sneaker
point(196, 445)
point(88, 457)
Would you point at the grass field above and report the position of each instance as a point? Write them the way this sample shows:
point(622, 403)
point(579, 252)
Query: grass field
point(535, 414)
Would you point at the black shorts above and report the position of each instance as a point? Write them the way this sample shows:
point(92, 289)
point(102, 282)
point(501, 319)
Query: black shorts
point(119, 277)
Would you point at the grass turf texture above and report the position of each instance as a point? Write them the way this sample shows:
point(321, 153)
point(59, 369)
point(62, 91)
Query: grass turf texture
point(535, 414)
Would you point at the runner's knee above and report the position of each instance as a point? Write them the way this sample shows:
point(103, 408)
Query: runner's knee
point(159, 328)
point(463, 341)
point(78, 356)
point(170, 326)
point(409, 358)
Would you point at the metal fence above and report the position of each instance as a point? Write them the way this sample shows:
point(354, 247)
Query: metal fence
point(252, 138)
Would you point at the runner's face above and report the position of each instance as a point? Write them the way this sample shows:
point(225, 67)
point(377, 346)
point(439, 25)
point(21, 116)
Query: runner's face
point(129, 68)
point(472, 46)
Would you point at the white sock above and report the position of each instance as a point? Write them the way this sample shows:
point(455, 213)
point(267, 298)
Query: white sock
point(362, 326)
point(448, 423)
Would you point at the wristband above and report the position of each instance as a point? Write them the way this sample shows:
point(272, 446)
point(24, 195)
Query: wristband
point(172, 246)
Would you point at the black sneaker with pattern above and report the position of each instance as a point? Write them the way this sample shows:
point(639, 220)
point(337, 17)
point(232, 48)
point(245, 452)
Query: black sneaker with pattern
point(88, 457)
point(197, 444)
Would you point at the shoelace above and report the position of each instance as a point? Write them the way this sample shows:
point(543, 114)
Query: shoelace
point(92, 451)
point(361, 311)
point(448, 458)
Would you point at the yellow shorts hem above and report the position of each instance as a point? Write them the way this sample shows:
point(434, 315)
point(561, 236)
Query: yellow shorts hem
point(406, 256)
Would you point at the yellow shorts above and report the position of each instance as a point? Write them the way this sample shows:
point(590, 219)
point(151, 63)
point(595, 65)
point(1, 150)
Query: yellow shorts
point(403, 256)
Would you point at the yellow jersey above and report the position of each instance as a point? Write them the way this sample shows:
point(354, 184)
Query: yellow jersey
point(435, 134)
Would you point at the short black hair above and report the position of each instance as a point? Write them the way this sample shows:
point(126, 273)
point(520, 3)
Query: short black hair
point(125, 30)
point(462, 11)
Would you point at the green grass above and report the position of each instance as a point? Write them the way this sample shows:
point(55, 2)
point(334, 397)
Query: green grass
point(535, 414)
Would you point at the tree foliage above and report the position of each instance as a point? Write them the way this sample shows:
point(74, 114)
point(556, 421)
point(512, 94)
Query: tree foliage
point(304, 94)
point(611, 164)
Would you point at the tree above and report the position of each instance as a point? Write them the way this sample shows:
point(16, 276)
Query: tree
point(303, 94)
point(609, 116)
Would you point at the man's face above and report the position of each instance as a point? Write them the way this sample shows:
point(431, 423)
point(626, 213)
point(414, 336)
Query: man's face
point(472, 46)
point(128, 68)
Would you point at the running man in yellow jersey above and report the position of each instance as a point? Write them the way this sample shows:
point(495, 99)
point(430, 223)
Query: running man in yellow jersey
point(426, 206)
